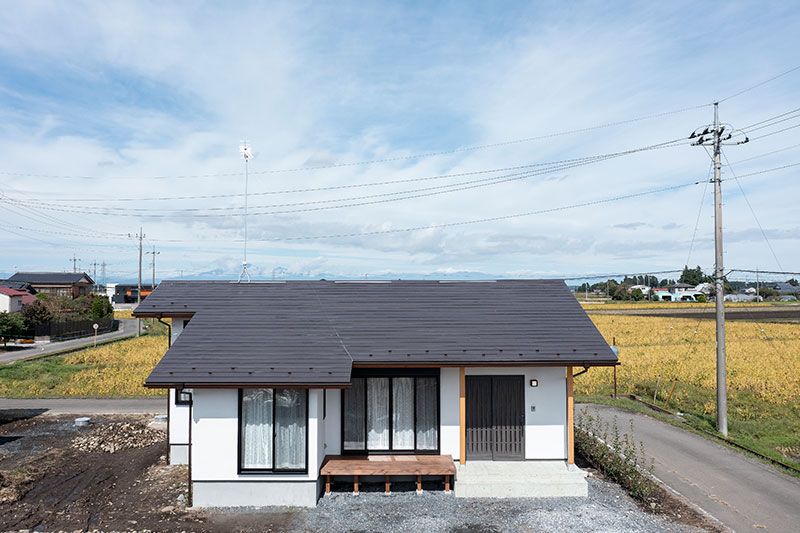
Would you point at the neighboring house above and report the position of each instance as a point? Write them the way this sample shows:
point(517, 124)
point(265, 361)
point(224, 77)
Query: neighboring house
point(786, 289)
point(679, 288)
point(12, 301)
point(127, 294)
point(72, 284)
point(273, 387)
point(742, 297)
point(644, 288)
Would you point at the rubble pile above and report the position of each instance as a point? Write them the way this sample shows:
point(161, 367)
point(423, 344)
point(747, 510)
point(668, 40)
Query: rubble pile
point(117, 436)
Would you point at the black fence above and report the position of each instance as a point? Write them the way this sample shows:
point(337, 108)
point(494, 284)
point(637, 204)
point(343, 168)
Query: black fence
point(72, 329)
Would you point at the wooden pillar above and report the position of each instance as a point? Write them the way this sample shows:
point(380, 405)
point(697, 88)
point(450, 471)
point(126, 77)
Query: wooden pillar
point(570, 418)
point(327, 484)
point(462, 425)
point(447, 483)
point(386, 486)
point(419, 484)
point(355, 485)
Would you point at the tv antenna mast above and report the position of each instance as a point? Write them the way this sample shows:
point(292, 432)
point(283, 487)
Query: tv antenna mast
point(247, 154)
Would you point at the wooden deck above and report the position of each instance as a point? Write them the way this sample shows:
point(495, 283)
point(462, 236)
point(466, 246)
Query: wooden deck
point(388, 466)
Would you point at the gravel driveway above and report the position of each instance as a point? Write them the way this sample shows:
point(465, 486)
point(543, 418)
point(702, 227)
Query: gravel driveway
point(607, 508)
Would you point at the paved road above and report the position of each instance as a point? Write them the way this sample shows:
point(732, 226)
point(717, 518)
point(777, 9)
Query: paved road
point(782, 313)
point(81, 406)
point(127, 328)
point(742, 493)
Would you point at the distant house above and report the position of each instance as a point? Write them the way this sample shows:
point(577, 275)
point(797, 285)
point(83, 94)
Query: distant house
point(678, 288)
point(72, 284)
point(12, 300)
point(786, 289)
point(275, 388)
point(120, 293)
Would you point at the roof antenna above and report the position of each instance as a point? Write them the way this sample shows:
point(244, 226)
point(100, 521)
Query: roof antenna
point(247, 154)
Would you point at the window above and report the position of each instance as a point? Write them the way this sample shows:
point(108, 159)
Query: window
point(183, 397)
point(273, 430)
point(391, 413)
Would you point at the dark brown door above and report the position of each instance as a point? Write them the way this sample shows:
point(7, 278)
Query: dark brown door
point(495, 417)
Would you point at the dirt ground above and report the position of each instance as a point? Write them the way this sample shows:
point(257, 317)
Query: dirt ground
point(58, 477)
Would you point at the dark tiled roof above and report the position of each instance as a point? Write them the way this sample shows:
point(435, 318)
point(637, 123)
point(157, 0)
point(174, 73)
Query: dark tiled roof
point(50, 278)
point(18, 285)
point(313, 331)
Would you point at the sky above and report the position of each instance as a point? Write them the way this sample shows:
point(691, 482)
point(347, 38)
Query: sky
point(111, 114)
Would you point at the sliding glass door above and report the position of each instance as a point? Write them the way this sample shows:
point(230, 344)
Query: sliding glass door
point(391, 413)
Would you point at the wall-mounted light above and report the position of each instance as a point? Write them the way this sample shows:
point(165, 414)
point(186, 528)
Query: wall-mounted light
point(534, 383)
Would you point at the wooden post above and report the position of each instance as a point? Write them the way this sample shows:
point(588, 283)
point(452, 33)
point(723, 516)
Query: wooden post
point(570, 418)
point(386, 485)
point(462, 400)
point(447, 483)
point(615, 381)
point(327, 484)
point(419, 484)
point(355, 485)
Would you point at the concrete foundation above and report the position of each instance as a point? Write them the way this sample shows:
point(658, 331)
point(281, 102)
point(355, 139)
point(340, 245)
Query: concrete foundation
point(520, 479)
point(255, 493)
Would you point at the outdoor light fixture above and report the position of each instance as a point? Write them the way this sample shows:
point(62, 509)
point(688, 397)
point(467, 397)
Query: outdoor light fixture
point(534, 383)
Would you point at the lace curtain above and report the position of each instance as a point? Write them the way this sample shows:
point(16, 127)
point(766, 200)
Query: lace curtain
point(403, 413)
point(427, 407)
point(290, 429)
point(378, 413)
point(257, 428)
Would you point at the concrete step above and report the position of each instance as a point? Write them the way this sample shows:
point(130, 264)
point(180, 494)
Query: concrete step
point(528, 479)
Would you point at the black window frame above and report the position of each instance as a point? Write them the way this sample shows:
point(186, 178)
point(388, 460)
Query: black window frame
point(395, 373)
point(240, 442)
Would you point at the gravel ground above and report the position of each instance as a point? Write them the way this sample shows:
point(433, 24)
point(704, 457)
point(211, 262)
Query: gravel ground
point(607, 508)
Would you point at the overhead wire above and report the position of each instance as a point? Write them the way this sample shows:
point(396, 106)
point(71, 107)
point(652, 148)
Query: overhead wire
point(757, 85)
point(699, 213)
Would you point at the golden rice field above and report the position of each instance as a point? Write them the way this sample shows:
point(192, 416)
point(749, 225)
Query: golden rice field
point(113, 370)
point(615, 305)
point(763, 358)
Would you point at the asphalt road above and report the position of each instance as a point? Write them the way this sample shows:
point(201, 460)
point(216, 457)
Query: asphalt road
point(742, 493)
point(81, 406)
point(127, 328)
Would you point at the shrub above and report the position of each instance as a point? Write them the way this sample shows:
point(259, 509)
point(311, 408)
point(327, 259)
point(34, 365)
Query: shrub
point(615, 455)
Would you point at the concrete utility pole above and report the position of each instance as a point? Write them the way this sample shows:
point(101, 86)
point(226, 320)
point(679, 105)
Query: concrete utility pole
point(139, 236)
point(154, 254)
point(74, 263)
point(714, 135)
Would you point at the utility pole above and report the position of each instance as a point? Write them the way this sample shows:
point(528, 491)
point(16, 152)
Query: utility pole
point(714, 135)
point(74, 263)
point(139, 236)
point(103, 271)
point(758, 287)
point(154, 254)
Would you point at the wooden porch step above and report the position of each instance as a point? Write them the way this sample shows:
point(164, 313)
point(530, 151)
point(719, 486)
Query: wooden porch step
point(387, 466)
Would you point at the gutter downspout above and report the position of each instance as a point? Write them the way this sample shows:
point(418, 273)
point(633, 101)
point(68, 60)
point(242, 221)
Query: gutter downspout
point(169, 330)
point(169, 403)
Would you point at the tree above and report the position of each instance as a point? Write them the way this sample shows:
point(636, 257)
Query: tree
point(692, 276)
point(793, 282)
point(101, 307)
point(11, 325)
point(637, 295)
point(35, 314)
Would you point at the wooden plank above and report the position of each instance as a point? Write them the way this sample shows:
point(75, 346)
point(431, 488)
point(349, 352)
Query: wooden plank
point(462, 402)
point(388, 465)
point(570, 418)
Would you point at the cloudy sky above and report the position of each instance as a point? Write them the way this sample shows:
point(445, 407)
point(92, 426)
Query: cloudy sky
point(112, 114)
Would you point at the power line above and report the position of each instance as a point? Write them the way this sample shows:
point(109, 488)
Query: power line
point(699, 212)
point(775, 132)
point(554, 164)
point(382, 160)
point(782, 74)
point(752, 211)
point(768, 153)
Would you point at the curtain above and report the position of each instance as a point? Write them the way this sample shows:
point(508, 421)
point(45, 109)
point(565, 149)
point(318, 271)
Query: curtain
point(354, 416)
point(290, 429)
point(378, 413)
point(257, 428)
point(427, 414)
point(403, 413)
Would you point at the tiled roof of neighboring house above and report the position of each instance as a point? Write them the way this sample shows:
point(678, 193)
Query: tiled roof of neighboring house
point(312, 332)
point(18, 285)
point(12, 292)
point(51, 278)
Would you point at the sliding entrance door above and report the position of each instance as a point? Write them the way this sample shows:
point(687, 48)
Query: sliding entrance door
point(395, 413)
point(495, 417)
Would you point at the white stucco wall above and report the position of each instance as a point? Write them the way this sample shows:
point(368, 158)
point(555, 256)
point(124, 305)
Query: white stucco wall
point(332, 442)
point(178, 417)
point(450, 414)
point(10, 304)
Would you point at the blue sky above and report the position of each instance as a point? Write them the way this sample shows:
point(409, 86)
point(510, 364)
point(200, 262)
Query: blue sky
point(123, 92)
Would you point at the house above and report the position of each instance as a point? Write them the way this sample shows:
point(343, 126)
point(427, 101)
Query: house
point(120, 293)
point(12, 300)
point(71, 284)
point(276, 388)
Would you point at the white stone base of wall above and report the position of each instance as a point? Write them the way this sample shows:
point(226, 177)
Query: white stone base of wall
point(178, 454)
point(520, 479)
point(255, 493)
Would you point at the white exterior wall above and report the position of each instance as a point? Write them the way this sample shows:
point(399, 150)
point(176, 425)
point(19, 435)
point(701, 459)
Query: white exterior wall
point(332, 442)
point(450, 413)
point(178, 417)
point(216, 480)
point(10, 304)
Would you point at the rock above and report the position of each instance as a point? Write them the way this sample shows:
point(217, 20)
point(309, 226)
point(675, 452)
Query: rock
point(113, 437)
point(181, 498)
point(167, 509)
